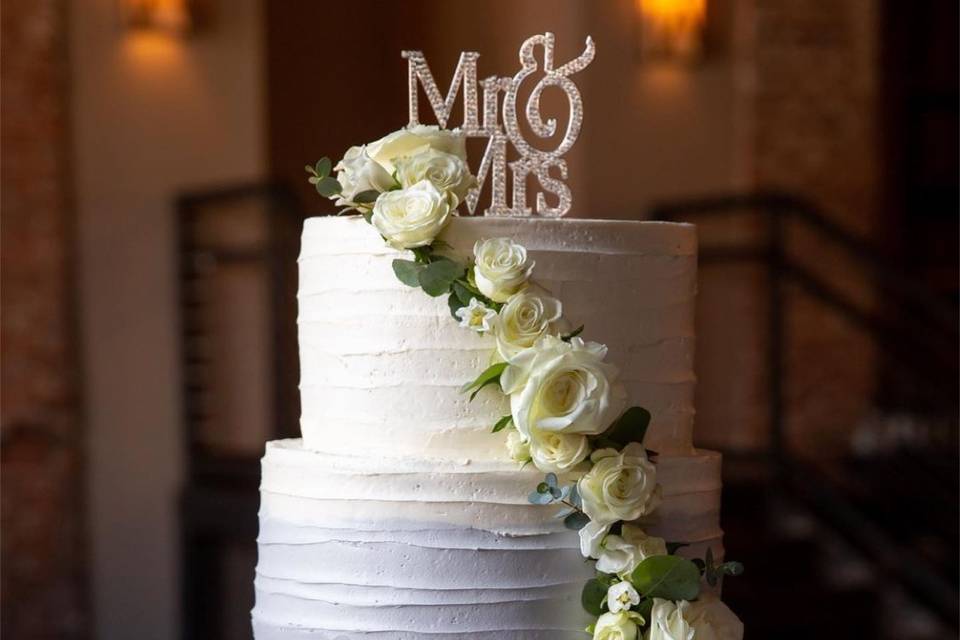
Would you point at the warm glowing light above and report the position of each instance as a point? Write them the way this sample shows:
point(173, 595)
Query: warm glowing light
point(158, 15)
point(671, 29)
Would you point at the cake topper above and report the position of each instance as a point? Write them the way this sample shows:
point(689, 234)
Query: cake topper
point(499, 131)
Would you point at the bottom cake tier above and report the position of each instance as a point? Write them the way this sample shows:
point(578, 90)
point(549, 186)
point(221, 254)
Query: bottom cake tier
point(414, 549)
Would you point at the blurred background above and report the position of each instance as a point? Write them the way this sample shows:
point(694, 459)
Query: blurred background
point(152, 195)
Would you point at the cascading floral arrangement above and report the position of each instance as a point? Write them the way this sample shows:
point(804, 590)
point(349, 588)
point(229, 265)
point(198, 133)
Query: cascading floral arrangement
point(568, 414)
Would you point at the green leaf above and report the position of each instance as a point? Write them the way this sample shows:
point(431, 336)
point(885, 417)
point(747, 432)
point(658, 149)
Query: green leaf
point(490, 375)
point(576, 521)
point(502, 423)
point(366, 197)
point(323, 167)
point(310, 170)
point(536, 497)
point(645, 608)
point(732, 568)
point(368, 216)
point(667, 577)
point(328, 187)
point(438, 276)
point(455, 305)
point(629, 427)
point(463, 294)
point(592, 597)
point(408, 272)
point(575, 498)
point(422, 254)
point(573, 334)
point(607, 579)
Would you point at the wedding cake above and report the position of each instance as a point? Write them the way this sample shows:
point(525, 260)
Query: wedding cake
point(421, 505)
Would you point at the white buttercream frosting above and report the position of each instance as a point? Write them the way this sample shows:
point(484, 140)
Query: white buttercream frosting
point(411, 546)
point(388, 360)
point(399, 515)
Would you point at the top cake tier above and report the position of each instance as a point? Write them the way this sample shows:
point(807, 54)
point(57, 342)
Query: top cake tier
point(382, 363)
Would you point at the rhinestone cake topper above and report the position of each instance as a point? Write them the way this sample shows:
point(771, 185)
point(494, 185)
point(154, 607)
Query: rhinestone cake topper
point(533, 160)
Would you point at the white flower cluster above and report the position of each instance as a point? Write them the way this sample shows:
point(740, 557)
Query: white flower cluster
point(705, 619)
point(418, 176)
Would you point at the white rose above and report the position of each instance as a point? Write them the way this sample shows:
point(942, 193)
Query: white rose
point(713, 620)
point(620, 486)
point(617, 626)
point(557, 452)
point(450, 141)
point(358, 172)
point(411, 217)
point(563, 387)
point(621, 554)
point(668, 621)
point(502, 268)
point(517, 447)
point(477, 316)
point(446, 171)
point(591, 537)
point(524, 320)
point(413, 140)
point(621, 596)
point(617, 556)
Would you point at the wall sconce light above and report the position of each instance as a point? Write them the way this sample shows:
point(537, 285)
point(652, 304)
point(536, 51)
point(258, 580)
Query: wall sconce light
point(671, 30)
point(171, 16)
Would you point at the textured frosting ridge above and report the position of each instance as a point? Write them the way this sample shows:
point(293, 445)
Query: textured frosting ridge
point(371, 347)
point(399, 515)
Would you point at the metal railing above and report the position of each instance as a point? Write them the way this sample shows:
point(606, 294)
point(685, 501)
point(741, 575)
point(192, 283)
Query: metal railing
point(921, 346)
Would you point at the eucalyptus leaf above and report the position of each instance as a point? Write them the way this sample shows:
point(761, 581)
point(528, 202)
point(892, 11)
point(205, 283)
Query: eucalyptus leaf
point(407, 272)
point(551, 479)
point(667, 577)
point(563, 513)
point(631, 426)
point(323, 167)
point(366, 197)
point(539, 498)
point(502, 423)
point(576, 521)
point(575, 498)
point(573, 334)
point(592, 597)
point(437, 278)
point(463, 294)
point(455, 305)
point(328, 187)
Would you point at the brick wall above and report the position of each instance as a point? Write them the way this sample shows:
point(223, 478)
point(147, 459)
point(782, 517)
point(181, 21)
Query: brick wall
point(815, 133)
point(42, 509)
